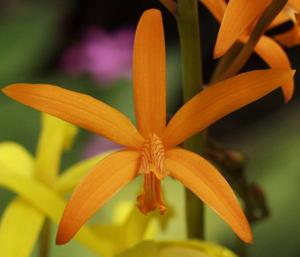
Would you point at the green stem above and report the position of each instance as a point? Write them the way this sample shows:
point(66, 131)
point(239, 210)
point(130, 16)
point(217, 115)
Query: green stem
point(45, 239)
point(225, 61)
point(189, 34)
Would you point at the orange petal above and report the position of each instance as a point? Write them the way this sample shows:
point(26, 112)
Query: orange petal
point(149, 74)
point(204, 180)
point(289, 38)
point(107, 178)
point(281, 18)
point(295, 4)
point(220, 99)
point(238, 16)
point(79, 109)
point(273, 54)
point(216, 7)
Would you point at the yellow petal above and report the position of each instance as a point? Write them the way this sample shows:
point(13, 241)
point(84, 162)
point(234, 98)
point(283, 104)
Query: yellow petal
point(207, 183)
point(220, 99)
point(20, 226)
point(273, 54)
point(216, 7)
point(289, 38)
point(79, 109)
point(16, 158)
point(195, 248)
point(238, 16)
point(149, 74)
point(135, 227)
point(106, 178)
point(72, 176)
point(52, 206)
point(55, 136)
point(130, 231)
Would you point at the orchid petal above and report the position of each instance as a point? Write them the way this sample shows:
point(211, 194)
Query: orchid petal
point(207, 183)
point(72, 176)
point(105, 179)
point(79, 109)
point(131, 231)
point(238, 16)
point(149, 74)
point(20, 226)
point(220, 99)
point(281, 18)
point(16, 158)
point(295, 4)
point(272, 53)
point(51, 205)
point(56, 136)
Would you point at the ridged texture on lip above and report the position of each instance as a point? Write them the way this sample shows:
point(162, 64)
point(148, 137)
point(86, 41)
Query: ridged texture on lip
point(153, 157)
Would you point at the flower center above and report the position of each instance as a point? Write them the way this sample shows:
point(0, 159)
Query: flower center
point(152, 166)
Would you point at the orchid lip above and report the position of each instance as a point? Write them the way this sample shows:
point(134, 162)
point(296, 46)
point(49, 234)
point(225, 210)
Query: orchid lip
point(152, 166)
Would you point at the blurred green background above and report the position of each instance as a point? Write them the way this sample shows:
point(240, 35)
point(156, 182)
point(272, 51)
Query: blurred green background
point(34, 38)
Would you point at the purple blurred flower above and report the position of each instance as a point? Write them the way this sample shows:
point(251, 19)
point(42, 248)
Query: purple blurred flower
point(105, 56)
point(96, 145)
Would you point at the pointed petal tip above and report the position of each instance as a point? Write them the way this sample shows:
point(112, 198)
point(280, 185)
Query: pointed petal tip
point(288, 90)
point(10, 89)
point(151, 12)
point(293, 72)
point(287, 99)
point(218, 52)
point(6, 89)
point(287, 72)
point(247, 237)
point(64, 235)
point(61, 239)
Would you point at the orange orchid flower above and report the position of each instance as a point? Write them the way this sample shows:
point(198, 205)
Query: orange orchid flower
point(151, 150)
point(236, 19)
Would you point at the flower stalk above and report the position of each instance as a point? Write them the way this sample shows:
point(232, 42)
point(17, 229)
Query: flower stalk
point(45, 239)
point(190, 46)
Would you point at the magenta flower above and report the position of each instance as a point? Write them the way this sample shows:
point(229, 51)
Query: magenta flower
point(104, 56)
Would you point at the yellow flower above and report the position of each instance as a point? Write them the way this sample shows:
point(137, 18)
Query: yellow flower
point(236, 19)
point(40, 190)
point(151, 150)
point(177, 249)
